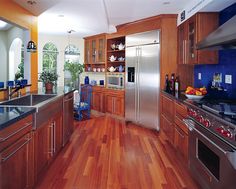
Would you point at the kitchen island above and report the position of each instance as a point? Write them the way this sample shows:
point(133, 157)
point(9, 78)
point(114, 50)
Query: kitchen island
point(31, 135)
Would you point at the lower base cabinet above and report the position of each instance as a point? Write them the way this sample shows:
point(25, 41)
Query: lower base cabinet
point(168, 128)
point(17, 155)
point(181, 142)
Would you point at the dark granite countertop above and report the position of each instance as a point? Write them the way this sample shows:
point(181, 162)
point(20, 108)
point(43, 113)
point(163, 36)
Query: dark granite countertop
point(177, 96)
point(10, 115)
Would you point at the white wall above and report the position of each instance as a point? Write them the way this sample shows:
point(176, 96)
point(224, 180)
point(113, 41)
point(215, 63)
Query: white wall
point(61, 42)
point(3, 57)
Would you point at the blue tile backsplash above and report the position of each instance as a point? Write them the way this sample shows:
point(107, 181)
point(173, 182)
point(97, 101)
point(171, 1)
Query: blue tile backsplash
point(226, 65)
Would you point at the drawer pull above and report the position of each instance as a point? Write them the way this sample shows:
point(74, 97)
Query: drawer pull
point(16, 150)
point(12, 134)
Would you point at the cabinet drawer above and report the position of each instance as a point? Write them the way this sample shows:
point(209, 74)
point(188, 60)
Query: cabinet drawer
point(180, 110)
point(167, 105)
point(181, 125)
point(15, 131)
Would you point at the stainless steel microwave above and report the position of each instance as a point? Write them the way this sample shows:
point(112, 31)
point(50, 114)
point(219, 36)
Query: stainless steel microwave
point(115, 80)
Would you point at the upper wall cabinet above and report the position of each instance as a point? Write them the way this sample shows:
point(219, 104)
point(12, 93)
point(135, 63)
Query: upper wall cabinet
point(193, 31)
point(94, 52)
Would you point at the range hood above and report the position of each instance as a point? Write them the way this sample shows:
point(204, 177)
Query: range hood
point(223, 37)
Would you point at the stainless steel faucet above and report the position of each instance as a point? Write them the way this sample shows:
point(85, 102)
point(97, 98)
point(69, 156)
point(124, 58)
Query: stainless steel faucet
point(16, 89)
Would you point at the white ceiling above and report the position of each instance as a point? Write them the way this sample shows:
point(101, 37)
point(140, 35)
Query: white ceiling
point(89, 17)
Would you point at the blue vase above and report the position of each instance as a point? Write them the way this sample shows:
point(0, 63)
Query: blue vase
point(86, 80)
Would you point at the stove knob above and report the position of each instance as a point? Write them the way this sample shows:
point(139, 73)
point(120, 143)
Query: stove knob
point(194, 113)
point(220, 130)
point(201, 120)
point(207, 123)
point(229, 133)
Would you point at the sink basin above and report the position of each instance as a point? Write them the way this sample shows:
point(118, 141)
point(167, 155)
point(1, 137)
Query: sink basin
point(29, 100)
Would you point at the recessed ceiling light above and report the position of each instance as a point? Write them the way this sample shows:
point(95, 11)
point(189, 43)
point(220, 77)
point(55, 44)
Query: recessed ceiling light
point(31, 2)
point(166, 3)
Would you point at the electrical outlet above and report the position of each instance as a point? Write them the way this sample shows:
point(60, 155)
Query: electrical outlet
point(228, 79)
point(199, 76)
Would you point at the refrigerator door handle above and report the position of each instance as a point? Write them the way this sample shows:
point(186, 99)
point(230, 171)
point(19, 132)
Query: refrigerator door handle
point(136, 80)
point(138, 83)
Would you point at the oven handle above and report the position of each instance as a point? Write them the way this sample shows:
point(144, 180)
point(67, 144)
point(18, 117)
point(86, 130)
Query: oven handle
point(231, 155)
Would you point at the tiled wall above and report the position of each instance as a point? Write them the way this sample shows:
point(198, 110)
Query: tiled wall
point(226, 65)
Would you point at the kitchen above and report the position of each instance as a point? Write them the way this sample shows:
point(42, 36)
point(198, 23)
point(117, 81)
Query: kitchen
point(165, 159)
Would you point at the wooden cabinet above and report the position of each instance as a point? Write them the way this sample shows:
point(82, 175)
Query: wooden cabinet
point(167, 117)
point(113, 49)
point(193, 31)
point(181, 131)
point(48, 136)
point(114, 101)
point(98, 99)
point(68, 116)
point(94, 52)
point(16, 153)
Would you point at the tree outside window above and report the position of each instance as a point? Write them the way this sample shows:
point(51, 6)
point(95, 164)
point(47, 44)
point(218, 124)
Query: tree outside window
point(50, 53)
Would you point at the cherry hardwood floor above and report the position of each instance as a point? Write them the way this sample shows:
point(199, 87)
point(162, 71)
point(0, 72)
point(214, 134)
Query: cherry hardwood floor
point(105, 153)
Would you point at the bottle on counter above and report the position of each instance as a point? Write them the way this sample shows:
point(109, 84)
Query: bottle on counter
point(167, 84)
point(177, 84)
point(172, 83)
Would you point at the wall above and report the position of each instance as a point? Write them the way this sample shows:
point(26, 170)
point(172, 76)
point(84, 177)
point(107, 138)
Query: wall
point(226, 65)
point(15, 14)
point(3, 57)
point(61, 43)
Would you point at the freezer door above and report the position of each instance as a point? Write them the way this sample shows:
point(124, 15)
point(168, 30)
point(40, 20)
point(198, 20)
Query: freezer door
point(130, 84)
point(149, 85)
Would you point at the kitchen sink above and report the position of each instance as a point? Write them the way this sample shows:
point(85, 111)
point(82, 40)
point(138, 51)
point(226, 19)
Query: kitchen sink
point(29, 100)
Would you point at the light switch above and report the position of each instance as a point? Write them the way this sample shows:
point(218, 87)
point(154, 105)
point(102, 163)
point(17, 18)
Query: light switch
point(228, 79)
point(199, 76)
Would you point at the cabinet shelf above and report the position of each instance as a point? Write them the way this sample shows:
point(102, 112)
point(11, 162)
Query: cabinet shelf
point(112, 51)
point(116, 62)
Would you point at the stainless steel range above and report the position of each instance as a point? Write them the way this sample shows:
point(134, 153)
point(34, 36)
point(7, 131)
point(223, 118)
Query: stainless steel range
point(212, 144)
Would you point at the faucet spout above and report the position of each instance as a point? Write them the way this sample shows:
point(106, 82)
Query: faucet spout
point(16, 89)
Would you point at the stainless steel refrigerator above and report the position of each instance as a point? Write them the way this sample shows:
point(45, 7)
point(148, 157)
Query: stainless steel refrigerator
point(142, 86)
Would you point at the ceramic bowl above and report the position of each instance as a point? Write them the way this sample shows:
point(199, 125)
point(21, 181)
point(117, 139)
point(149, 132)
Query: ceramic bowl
point(194, 97)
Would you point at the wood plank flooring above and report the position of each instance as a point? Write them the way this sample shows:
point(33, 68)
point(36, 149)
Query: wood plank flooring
point(105, 153)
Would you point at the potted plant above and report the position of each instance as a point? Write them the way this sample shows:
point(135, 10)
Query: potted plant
point(48, 77)
point(75, 69)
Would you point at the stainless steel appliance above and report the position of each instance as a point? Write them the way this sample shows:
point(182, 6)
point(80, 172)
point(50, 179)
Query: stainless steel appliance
point(142, 84)
point(115, 80)
point(212, 146)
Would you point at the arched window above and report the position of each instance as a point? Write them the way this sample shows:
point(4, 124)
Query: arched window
point(16, 58)
point(50, 53)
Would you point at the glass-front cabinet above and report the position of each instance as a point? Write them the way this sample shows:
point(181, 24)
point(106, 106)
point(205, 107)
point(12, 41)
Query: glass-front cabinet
point(94, 54)
point(193, 31)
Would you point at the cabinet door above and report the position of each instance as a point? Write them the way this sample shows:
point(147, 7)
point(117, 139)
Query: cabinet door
point(109, 104)
point(16, 167)
point(101, 50)
point(167, 105)
point(96, 101)
point(68, 117)
point(118, 103)
point(58, 132)
point(93, 51)
point(168, 128)
point(191, 49)
point(42, 147)
point(86, 51)
point(182, 44)
point(181, 142)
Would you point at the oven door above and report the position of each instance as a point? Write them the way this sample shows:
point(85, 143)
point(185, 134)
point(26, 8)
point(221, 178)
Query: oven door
point(211, 160)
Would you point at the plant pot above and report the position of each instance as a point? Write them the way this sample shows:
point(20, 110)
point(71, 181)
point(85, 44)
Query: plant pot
point(49, 86)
